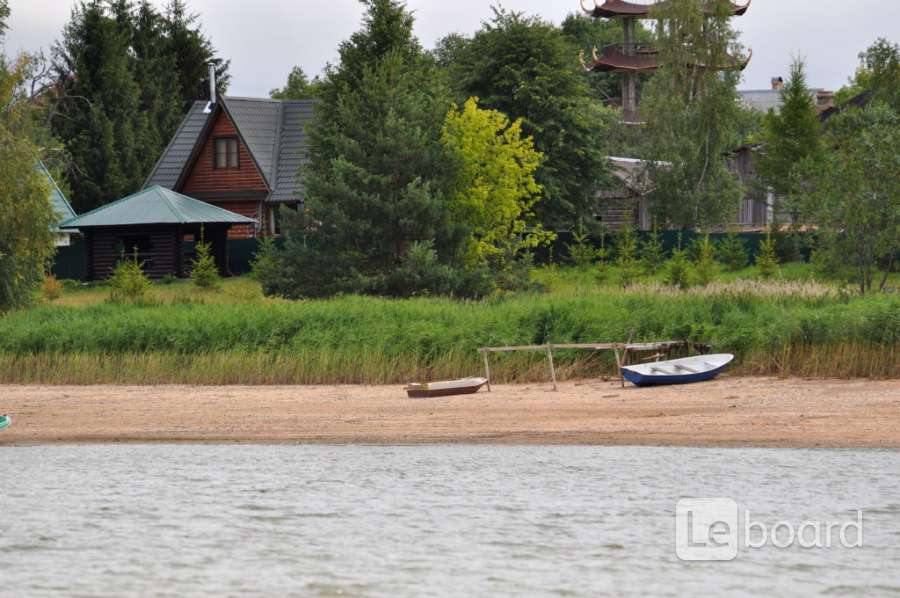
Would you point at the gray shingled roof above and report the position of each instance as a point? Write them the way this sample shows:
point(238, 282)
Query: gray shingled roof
point(176, 155)
point(294, 147)
point(273, 131)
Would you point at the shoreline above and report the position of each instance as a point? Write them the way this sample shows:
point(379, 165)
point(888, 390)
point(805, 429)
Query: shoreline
point(728, 412)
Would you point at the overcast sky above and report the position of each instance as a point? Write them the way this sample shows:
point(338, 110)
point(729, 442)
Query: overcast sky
point(265, 38)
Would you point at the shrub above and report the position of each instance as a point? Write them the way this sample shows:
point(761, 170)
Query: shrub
point(733, 252)
point(678, 270)
point(626, 257)
point(581, 252)
point(128, 282)
point(51, 289)
point(652, 253)
point(706, 267)
point(422, 274)
point(767, 258)
point(205, 273)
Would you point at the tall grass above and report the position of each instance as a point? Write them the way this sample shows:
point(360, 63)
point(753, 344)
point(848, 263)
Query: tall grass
point(796, 329)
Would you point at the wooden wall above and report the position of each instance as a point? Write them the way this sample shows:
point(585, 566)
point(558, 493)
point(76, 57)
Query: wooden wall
point(203, 178)
point(241, 190)
point(158, 249)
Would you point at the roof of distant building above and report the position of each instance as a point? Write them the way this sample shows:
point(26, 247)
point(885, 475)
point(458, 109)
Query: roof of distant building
point(764, 100)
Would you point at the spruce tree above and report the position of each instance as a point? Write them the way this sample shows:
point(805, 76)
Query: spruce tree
point(124, 75)
point(101, 122)
point(376, 212)
point(192, 52)
point(791, 135)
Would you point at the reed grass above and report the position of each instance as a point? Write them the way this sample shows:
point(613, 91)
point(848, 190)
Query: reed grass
point(844, 361)
point(782, 328)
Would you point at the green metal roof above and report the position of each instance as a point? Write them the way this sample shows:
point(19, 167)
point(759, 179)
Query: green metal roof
point(156, 205)
point(61, 206)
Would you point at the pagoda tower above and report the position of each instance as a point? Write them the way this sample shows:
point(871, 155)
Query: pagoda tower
point(628, 58)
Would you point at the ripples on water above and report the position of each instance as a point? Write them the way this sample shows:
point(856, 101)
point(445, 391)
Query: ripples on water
point(426, 521)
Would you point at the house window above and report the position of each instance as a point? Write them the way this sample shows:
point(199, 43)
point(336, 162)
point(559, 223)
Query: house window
point(226, 153)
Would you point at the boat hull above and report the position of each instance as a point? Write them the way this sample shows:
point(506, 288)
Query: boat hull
point(678, 371)
point(643, 380)
point(445, 389)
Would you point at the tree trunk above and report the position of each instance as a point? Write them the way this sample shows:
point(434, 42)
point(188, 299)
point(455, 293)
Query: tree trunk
point(887, 272)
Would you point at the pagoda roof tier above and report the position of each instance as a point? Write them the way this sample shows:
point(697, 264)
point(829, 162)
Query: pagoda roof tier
point(614, 59)
point(622, 9)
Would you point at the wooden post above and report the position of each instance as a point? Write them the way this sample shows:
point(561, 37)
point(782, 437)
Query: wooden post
point(487, 369)
point(552, 367)
point(619, 365)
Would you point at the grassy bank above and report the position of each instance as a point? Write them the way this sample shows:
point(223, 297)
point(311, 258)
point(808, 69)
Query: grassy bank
point(797, 328)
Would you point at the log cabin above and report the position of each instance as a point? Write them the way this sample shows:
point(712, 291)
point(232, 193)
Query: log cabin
point(240, 154)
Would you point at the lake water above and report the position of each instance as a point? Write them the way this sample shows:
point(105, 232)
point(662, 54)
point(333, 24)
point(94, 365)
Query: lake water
point(182, 520)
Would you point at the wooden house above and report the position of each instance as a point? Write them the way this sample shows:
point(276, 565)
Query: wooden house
point(152, 226)
point(240, 154)
point(624, 205)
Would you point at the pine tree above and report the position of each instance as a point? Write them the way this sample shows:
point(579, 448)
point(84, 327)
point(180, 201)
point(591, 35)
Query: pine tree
point(205, 272)
point(627, 257)
point(767, 258)
point(4, 15)
point(791, 136)
point(100, 122)
point(678, 268)
point(652, 253)
point(376, 212)
point(193, 52)
point(706, 267)
point(123, 77)
point(733, 252)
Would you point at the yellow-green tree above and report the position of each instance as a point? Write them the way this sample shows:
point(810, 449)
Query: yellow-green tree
point(26, 214)
point(495, 188)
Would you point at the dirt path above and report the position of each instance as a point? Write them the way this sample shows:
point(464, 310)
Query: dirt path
point(728, 412)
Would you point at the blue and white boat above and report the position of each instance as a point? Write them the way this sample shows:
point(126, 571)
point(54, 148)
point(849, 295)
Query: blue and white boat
point(677, 371)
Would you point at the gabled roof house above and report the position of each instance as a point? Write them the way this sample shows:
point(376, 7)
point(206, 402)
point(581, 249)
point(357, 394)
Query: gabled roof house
point(240, 154)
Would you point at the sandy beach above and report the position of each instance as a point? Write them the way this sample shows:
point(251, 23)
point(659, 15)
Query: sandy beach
point(727, 412)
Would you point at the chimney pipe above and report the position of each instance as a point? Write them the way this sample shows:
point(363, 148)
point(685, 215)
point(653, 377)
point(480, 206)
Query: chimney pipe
point(213, 94)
